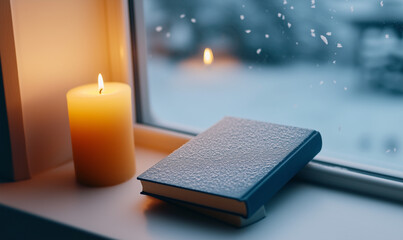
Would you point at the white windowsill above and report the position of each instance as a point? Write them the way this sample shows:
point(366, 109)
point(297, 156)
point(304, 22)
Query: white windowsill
point(301, 210)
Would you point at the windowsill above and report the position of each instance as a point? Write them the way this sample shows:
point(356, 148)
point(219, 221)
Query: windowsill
point(116, 211)
point(312, 212)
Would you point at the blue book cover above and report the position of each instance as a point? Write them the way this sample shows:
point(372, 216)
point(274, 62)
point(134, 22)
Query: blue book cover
point(235, 166)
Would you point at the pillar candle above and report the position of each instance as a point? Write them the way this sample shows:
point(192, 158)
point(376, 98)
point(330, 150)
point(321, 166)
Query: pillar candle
point(101, 130)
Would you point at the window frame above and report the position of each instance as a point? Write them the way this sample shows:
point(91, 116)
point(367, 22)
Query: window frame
point(353, 176)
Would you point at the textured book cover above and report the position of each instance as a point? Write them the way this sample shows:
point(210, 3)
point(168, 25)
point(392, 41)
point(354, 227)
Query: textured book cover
point(235, 166)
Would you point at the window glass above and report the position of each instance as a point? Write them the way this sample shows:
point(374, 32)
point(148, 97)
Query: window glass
point(330, 65)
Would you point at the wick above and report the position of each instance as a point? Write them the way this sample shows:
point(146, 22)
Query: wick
point(100, 90)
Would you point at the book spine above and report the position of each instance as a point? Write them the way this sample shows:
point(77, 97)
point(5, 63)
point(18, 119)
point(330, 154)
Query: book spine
point(283, 173)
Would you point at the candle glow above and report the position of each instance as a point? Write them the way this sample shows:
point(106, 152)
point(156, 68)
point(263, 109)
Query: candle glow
point(100, 83)
point(208, 56)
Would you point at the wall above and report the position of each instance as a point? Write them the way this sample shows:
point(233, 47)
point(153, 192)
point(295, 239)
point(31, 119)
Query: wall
point(59, 45)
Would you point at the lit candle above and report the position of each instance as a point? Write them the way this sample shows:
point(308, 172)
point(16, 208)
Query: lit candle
point(101, 130)
point(208, 56)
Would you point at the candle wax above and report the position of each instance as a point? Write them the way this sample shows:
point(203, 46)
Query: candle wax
point(101, 129)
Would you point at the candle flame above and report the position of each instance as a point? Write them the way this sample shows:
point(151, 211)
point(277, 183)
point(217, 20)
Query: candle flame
point(208, 57)
point(100, 83)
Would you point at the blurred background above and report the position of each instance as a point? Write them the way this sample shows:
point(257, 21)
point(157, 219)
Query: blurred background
point(334, 66)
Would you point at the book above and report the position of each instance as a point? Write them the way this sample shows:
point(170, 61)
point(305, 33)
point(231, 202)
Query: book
point(235, 166)
point(232, 219)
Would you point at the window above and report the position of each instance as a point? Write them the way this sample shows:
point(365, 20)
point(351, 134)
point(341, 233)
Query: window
point(334, 66)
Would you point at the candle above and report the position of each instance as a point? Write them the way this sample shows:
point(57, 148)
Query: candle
point(208, 56)
point(101, 130)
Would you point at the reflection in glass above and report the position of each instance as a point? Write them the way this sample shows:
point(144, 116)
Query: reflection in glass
point(334, 66)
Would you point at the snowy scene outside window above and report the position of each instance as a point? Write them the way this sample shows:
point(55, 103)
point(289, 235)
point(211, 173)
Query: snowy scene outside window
point(330, 65)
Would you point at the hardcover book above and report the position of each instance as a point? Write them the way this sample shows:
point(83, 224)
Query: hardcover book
point(235, 166)
point(232, 219)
